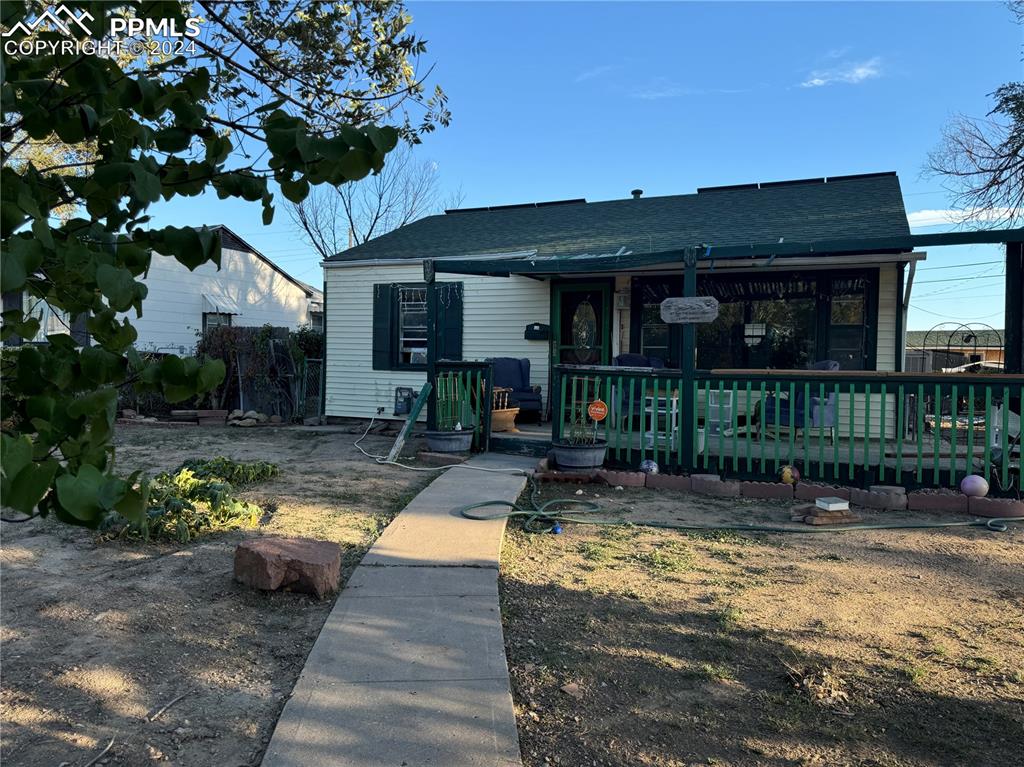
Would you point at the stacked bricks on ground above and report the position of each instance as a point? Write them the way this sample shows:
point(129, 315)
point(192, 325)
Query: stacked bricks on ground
point(201, 417)
point(295, 564)
point(882, 497)
point(824, 511)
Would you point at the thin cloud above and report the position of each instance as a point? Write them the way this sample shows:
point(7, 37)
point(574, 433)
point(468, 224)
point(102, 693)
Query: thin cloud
point(590, 74)
point(657, 91)
point(938, 217)
point(666, 89)
point(850, 73)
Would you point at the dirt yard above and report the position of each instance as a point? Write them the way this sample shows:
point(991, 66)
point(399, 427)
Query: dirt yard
point(97, 637)
point(630, 646)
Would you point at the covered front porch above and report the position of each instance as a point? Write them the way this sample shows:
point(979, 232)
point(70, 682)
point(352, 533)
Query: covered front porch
point(735, 396)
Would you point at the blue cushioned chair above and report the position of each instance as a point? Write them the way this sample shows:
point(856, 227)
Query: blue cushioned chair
point(513, 373)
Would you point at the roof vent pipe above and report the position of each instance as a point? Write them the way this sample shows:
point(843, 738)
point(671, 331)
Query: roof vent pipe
point(637, 193)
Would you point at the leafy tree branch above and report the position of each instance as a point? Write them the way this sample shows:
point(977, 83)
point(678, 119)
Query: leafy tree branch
point(122, 135)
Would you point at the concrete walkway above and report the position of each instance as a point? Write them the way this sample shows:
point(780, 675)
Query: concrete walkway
point(409, 668)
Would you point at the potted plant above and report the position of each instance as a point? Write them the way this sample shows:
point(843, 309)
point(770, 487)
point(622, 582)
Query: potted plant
point(454, 434)
point(580, 450)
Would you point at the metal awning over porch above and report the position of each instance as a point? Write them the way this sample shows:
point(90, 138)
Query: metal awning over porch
point(759, 254)
point(623, 260)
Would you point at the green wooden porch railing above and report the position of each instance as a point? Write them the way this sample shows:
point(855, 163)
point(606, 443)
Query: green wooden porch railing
point(463, 392)
point(852, 427)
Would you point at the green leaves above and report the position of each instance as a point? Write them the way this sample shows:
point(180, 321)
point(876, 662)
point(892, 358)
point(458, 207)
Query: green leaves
point(24, 482)
point(76, 236)
point(191, 247)
point(20, 257)
point(118, 286)
point(183, 378)
point(89, 494)
point(295, 191)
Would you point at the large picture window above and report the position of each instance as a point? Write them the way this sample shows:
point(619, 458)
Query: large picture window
point(782, 321)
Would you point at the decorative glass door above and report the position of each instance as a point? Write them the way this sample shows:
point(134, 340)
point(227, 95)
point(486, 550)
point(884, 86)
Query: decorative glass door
point(581, 323)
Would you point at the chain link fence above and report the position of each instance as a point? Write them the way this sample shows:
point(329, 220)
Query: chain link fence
point(311, 390)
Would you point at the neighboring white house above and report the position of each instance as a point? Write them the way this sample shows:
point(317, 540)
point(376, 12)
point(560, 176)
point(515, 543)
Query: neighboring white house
point(785, 313)
point(248, 290)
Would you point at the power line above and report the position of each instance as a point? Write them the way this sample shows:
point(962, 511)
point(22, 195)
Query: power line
point(947, 314)
point(958, 266)
point(948, 297)
point(965, 279)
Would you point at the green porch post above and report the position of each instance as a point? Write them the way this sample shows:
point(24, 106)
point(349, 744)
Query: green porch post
point(1013, 354)
point(428, 277)
point(687, 364)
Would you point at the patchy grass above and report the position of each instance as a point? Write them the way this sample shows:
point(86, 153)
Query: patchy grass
point(95, 636)
point(718, 647)
point(671, 557)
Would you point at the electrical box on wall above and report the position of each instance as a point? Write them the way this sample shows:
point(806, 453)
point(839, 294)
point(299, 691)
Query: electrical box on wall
point(535, 331)
point(403, 400)
point(622, 300)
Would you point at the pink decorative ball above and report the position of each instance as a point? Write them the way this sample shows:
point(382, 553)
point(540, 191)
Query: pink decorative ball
point(974, 486)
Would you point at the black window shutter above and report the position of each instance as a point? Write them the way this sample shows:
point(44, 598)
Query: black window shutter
point(449, 320)
point(383, 332)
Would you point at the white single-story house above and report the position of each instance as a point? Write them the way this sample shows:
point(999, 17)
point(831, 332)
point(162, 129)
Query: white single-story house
point(247, 290)
point(786, 313)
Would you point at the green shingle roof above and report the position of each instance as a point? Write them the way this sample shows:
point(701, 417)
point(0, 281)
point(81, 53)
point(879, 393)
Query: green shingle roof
point(870, 205)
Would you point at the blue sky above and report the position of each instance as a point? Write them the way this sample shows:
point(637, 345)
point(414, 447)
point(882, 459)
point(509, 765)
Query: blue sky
point(559, 100)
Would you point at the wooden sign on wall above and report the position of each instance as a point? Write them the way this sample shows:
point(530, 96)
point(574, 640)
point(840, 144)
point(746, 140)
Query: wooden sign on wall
point(698, 309)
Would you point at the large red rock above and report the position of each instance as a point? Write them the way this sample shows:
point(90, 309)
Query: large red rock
point(296, 564)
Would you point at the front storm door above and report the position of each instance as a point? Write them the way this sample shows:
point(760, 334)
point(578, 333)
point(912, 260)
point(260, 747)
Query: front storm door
point(582, 324)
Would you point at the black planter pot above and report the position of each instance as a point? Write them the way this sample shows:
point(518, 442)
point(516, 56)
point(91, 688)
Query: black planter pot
point(450, 441)
point(579, 457)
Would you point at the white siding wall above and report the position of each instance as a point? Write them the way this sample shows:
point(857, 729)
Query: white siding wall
point(496, 311)
point(173, 310)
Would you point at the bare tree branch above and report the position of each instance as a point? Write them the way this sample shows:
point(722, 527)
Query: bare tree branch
point(332, 219)
point(981, 160)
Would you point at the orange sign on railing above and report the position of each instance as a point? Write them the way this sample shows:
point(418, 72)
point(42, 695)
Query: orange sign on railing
point(597, 410)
